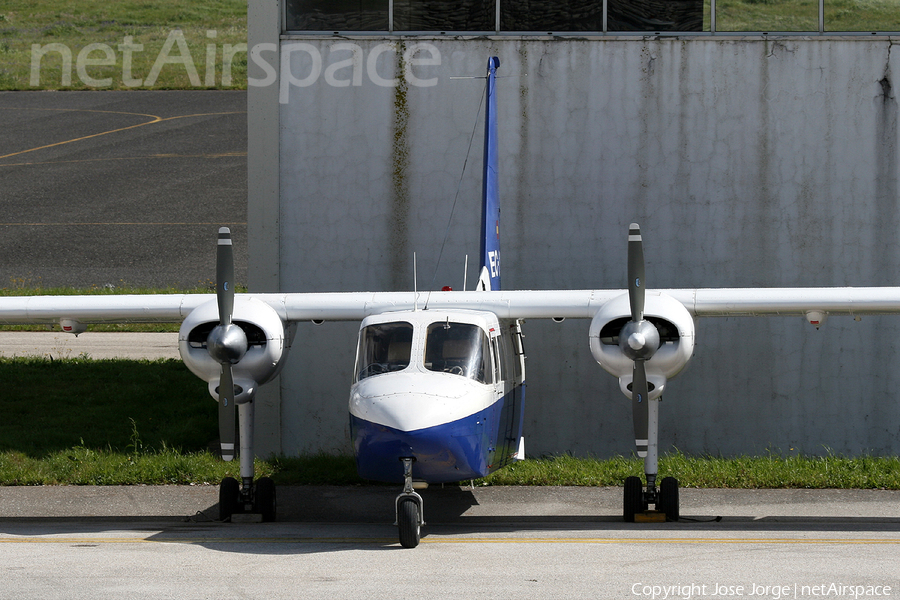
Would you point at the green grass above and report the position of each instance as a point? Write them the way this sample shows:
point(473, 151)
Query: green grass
point(50, 406)
point(117, 422)
point(81, 465)
point(77, 23)
point(803, 15)
point(748, 472)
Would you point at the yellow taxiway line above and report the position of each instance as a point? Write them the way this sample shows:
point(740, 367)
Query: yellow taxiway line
point(153, 120)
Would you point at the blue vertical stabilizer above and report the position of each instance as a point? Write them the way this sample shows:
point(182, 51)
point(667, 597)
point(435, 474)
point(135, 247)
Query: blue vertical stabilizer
point(489, 277)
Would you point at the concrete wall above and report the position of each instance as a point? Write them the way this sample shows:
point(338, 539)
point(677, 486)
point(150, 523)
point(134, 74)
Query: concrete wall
point(747, 162)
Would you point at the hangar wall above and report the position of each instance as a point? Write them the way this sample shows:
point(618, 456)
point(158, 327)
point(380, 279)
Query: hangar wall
point(747, 161)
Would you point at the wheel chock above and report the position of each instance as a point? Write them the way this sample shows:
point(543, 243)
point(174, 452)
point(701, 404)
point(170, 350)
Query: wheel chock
point(650, 516)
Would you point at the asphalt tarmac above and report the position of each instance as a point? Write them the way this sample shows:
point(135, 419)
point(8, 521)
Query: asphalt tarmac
point(117, 188)
point(338, 542)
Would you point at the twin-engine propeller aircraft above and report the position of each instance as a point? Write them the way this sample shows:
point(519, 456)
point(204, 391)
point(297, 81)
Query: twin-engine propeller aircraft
point(437, 393)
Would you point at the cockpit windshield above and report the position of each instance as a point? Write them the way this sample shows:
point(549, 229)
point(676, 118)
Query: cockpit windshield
point(383, 348)
point(458, 348)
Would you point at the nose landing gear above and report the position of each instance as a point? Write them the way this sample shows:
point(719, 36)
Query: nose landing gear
point(409, 509)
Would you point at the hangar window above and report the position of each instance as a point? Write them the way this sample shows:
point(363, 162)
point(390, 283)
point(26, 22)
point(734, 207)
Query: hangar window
point(655, 15)
point(337, 15)
point(586, 16)
point(539, 16)
point(544, 16)
point(444, 15)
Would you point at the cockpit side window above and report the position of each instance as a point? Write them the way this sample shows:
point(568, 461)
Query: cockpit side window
point(383, 348)
point(459, 348)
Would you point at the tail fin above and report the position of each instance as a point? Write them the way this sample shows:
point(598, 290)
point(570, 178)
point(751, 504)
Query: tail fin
point(489, 279)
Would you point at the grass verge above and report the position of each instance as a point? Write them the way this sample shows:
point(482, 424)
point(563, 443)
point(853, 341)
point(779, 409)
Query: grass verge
point(134, 46)
point(78, 421)
point(744, 472)
point(85, 466)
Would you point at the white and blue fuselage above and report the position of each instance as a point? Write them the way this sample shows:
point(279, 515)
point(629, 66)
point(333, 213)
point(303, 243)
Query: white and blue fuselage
point(443, 388)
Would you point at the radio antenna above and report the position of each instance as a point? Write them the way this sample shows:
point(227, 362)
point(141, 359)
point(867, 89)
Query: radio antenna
point(465, 272)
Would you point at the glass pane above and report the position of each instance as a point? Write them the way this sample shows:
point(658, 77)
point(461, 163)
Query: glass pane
point(444, 15)
point(383, 348)
point(337, 15)
point(862, 15)
point(655, 15)
point(551, 15)
point(767, 15)
point(460, 349)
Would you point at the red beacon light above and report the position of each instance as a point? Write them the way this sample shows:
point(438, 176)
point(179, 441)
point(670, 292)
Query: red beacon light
point(446, 288)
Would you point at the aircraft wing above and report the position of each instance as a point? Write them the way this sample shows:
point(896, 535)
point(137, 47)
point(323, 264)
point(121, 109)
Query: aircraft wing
point(511, 304)
point(584, 304)
point(144, 308)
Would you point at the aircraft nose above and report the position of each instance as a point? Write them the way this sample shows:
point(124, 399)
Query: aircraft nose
point(410, 402)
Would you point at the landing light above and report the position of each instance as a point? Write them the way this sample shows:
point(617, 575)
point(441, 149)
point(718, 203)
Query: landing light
point(816, 317)
point(72, 326)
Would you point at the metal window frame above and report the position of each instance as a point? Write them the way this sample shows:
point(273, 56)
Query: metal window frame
point(713, 28)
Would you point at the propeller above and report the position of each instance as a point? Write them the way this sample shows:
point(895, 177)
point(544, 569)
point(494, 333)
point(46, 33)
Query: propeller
point(639, 339)
point(227, 342)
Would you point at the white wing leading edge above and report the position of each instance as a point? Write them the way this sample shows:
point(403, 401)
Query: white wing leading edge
point(512, 304)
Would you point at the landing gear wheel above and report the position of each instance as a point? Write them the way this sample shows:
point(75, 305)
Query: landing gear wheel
point(668, 498)
point(408, 522)
point(229, 498)
point(634, 498)
point(264, 503)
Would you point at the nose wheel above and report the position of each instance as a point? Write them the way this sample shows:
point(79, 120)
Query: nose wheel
point(409, 522)
point(409, 507)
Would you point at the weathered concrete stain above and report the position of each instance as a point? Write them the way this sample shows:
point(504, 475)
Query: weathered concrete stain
point(886, 187)
point(398, 218)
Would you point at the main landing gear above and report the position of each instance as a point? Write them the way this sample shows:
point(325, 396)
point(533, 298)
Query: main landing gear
point(247, 498)
point(409, 508)
point(638, 500)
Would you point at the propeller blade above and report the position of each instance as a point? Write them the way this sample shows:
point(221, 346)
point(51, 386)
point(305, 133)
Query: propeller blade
point(226, 413)
point(640, 407)
point(225, 276)
point(635, 272)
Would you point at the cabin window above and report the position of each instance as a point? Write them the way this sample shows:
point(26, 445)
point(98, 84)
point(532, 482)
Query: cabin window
point(459, 348)
point(383, 348)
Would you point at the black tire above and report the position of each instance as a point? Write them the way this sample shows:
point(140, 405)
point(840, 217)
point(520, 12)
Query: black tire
point(668, 498)
point(264, 500)
point(408, 522)
point(634, 498)
point(229, 498)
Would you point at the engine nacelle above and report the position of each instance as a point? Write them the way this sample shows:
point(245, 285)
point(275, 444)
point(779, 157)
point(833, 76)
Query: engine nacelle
point(266, 343)
point(676, 333)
